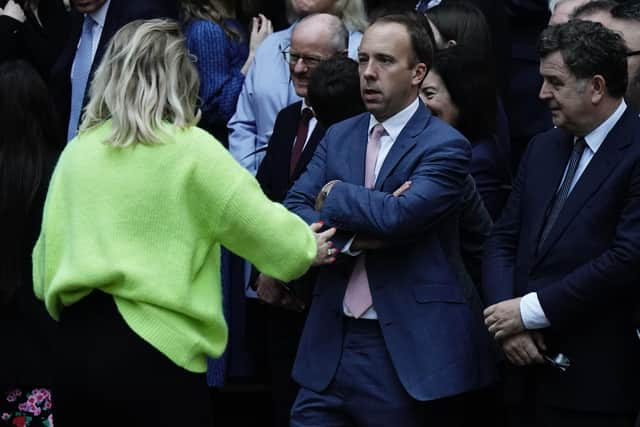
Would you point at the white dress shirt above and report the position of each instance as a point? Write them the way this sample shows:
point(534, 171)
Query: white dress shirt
point(312, 123)
point(533, 316)
point(392, 126)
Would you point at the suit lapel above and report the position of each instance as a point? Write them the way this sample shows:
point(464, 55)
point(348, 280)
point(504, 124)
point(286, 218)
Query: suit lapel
point(548, 173)
point(600, 167)
point(357, 149)
point(405, 141)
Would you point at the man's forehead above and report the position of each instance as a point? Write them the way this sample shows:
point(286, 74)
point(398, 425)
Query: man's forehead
point(553, 64)
point(383, 37)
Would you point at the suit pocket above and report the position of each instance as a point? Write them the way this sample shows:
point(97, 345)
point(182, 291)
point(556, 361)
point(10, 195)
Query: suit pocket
point(438, 293)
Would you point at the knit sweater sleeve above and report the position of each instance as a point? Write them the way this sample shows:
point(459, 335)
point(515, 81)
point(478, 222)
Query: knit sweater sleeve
point(221, 82)
point(276, 241)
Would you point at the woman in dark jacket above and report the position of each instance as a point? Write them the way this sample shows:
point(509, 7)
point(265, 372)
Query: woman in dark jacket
point(29, 145)
point(460, 89)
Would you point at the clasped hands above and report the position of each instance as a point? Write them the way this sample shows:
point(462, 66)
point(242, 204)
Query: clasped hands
point(504, 322)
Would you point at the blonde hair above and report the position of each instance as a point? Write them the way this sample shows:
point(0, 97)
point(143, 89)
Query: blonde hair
point(211, 10)
point(146, 79)
point(352, 12)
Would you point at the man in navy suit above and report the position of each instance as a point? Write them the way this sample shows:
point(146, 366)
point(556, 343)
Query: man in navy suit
point(394, 334)
point(95, 22)
point(562, 264)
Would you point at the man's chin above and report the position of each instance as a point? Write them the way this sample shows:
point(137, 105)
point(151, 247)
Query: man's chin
point(300, 89)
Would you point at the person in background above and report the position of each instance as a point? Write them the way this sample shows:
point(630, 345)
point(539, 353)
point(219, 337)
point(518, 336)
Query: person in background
point(92, 24)
point(266, 90)
point(624, 18)
point(268, 87)
point(223, 56)
point(563, 10)
point(29, 146)
point(561, 265)
point(128, 258)
point(336, 89)
point(466, 101)
point(461, 23)
point(33, 30)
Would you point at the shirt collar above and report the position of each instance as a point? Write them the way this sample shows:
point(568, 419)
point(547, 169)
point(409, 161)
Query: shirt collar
point(394, 124)
point(100, 15)
point(596, 137)
point(305, 105)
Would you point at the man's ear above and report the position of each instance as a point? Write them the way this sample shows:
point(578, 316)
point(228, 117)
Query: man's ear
point(599, 88)
point(419, 73)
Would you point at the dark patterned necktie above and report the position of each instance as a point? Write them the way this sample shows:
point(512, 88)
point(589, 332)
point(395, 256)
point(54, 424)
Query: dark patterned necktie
point(563, 192)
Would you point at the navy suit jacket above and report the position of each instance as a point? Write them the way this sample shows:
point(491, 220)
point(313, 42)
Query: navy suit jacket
point(427, 306)
point(587, 271)
point(273, 173)
point(120, 12)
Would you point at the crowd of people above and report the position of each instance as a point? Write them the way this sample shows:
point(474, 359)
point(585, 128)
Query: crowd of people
point(389, 213)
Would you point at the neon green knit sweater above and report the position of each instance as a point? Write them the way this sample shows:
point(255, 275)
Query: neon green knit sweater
point(145, 224)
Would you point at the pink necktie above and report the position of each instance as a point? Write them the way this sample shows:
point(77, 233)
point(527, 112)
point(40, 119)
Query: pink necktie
point(357, 298)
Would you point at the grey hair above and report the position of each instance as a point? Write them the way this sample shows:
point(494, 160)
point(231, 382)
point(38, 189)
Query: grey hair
point(145, 80)
point(339, 35)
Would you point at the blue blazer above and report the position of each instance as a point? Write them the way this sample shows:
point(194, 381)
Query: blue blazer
point(586, 273)
point(427, 307)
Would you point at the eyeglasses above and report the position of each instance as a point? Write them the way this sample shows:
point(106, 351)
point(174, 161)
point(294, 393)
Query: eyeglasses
point(633, 53)
point(292, 58)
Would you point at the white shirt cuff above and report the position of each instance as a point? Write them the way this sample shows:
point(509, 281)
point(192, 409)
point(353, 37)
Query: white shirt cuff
point(533, 316)
point(346, 249)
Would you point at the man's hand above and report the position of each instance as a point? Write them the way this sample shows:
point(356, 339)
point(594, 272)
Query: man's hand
point(524, 348)
point(503, 319)
point(276, 293)
point(402, 189)
point(324, 192)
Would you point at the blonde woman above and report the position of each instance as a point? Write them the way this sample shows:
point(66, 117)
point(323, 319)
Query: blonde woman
point(223, 56)
point(128, 256)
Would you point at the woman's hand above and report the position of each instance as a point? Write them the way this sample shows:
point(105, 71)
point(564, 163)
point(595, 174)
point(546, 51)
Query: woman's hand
point(325, 254)
point(261, 27)
point(13, 10)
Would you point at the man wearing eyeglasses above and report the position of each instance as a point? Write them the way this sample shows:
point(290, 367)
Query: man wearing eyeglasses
point(296, 134)
point(561, 266)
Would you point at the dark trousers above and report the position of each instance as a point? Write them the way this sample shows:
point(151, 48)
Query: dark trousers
point(367, 392)
point(106, 375)
point(284, 328)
